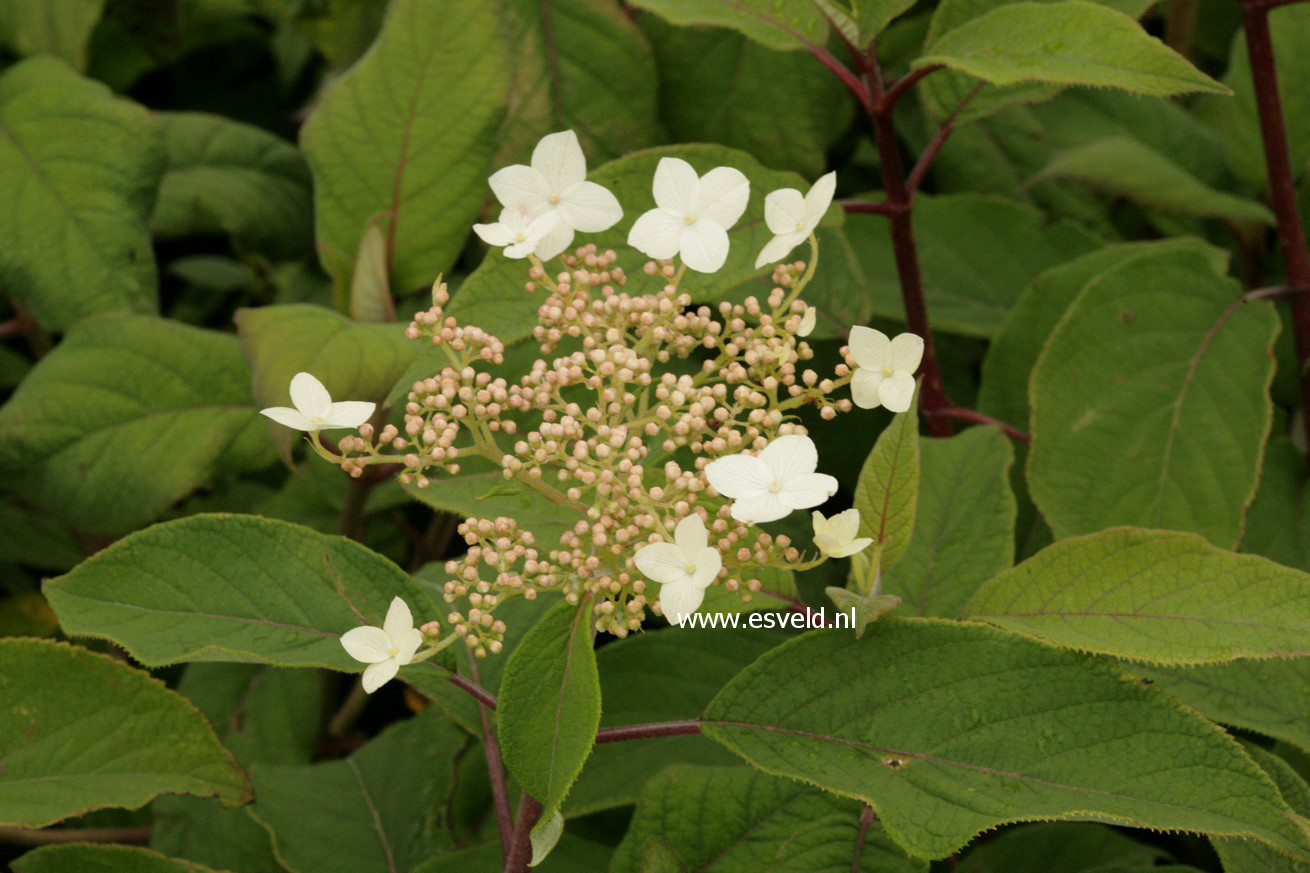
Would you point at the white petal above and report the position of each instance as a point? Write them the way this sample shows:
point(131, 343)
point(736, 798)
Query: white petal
point(589, 208)
point(691, 535)
point(759, 508)
point(377, 675)
point(818, 200)
point(348, 413)
point(869, 348)
point(724, 192)
point(408, 645)
point(845, 525)
point(559, 159)
point(519, 250)
point(784, 210)
point(368, 644)
point(520, 186)
point(704, 246)
point(494, 234)
point(778, 248)
point(789, 456)
point(292, 418)
point(822, 526)
point(828, 544)
point(309, 396)
point(708, 562)
point(399, 621)
point(906, 352)
point(556, 240)
point(739, 476)
point(676, 186)
point(802, 492)
point(538, 228)
point(806, 327)
point(852, 547)
point(657, 233)
point(897, 392)
point(662, 562)
point(864, 388)
point(680, 598)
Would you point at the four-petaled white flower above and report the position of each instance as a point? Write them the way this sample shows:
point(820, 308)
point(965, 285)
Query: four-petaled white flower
point(684, 568)
point(768, 486)
point(557, 183)
point(315, 409)
point(385, 649)
point(884, 375)
point(836, 536)
point(793, 216)
point(517, 231)
point(692, 214)
point(808, 319)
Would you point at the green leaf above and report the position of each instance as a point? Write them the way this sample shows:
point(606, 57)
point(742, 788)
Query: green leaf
point(964, 530)
point(721, 819)
point(1065, 846)
point(887, 492)
point(1269, 697)
point(1018, 343)
point(371, 811)
point(370, 286)
point(1150, 403)
point(550, 705)
point(667, 675)
point(86, 431)
point(408, 132)
point(229, 178)
point(1239, 855)
point(85, 858)
point(978, 253)
point(924, 720)
point(78, 172)
point(1156, 596)
point(62, 29)
point(580, 65)
point(1123, 167)
point(864, 608)
point(754, 88)
point(233, 588)
point(873, 16)
point(83, 731)
point(775, 24)
point(1276, 522)
point(469, 495)
point(35, 540)
point(1073, 42)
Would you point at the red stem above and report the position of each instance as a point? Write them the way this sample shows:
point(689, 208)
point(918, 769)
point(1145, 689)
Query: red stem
point(971, 415)
point(881, 207)
point(903, 84)
point(646, 731)
point(867, 816)
point(496, 772)
point(520, 851)
point(477, 692)
point(1282, 191)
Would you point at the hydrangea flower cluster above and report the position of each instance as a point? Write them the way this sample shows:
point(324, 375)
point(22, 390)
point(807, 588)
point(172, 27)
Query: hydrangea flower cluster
point(666, 427)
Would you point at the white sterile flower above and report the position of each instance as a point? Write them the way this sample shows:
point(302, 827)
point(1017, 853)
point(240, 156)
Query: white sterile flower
point(692, 214)
point(684, 568)
point(836, 536)
point(385, 649)
point(517, 231)
point(807, 321)
point(768, 486)
point(557, 183)
point(793, 217)
point(884, 375)
point(315, 409)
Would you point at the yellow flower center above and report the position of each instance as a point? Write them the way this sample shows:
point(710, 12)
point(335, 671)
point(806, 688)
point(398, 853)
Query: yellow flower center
point(689, 218)
point(519, 237)
point(393, 651)
point(554, 199)
point(800, 225)
point(691, 569)
point(775, 487)
point(886, 372)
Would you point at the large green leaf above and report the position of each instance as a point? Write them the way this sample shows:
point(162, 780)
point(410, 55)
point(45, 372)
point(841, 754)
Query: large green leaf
point(1242, 855)
point(371, 811)
point(754, 87)
point(87, 430)
point(550, 705)
point(225, 177)
point(1073, 42)
point(735, 819)
point(1157, 596)
point(408, 133)
point(1277, 524)
point(1149, 403)
point(1070, 847)
point(926, 721)
point(776, 24)
point(489, 495)
point(233, 588)
point(887, 492)
point(79, 169)
point(580, 65)
point(83, 731)
point(86, 858)
point(59, 28)
point(964, 530)
point(1014, 349)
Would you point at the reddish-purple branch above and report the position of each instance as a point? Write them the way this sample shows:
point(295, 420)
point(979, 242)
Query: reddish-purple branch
point(520, 851)
point(495, 771)
point(880, 207)
point(971, 415)
point(646, 731)
point(477, 692)
point(903, 84)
